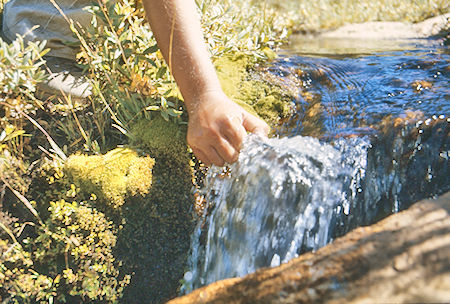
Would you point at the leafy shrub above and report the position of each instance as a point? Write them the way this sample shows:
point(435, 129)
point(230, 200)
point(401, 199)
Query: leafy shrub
point(20, 72)
point(128, 72)
point(20, 68)
point(62, 254)
point(232, 27)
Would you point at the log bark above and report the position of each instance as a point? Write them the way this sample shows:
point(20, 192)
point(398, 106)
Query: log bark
point(404, 258)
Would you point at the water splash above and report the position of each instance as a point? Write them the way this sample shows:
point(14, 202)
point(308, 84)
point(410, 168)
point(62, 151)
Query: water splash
point(281, 199)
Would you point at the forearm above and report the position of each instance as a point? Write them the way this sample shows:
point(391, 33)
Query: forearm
point(177, 29)
point(217, 125)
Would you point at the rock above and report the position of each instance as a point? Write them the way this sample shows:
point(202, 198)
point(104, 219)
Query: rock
point(391, 30)
point(403, 258)
point(370, 37)
point(433, 26)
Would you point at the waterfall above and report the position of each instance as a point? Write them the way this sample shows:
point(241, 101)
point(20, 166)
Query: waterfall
point(281, 198)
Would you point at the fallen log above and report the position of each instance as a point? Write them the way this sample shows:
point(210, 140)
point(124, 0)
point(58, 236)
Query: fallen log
point(404, 258)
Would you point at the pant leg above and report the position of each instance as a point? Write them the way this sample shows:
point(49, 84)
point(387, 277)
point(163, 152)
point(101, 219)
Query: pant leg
point(20, 16)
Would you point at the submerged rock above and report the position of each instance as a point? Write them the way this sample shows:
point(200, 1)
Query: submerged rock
point(403, 258)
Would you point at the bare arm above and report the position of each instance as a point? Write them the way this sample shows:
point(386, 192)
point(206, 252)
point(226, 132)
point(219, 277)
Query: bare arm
point(216, 125)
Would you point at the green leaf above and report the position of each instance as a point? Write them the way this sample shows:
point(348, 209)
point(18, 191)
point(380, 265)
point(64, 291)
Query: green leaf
point(151, 49)
point(152, 108)
point(174, 113)
point(149, 60)
point(164, 102)
point(162, 70)
point(165, 115)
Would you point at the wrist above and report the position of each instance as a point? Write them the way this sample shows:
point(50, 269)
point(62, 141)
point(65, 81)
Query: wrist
point(201, 98)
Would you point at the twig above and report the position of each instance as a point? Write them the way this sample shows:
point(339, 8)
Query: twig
point(24, 200)
point(22, 228)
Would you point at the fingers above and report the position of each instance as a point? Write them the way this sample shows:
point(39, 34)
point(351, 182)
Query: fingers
point(226, 151)
point(222, 153)
point(217, 128)
point(234, 132)
point(215, 157)
point(223, 146)
point(202, 157)
point(255, 125)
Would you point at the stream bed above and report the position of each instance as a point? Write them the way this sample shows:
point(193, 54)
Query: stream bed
point(368, 137)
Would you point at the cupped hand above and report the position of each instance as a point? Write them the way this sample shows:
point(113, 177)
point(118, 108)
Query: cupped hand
point(217, 126)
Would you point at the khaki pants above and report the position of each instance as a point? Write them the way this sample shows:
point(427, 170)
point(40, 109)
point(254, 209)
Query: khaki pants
point(20, 16)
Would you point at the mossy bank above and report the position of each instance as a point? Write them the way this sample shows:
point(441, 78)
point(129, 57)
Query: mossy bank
point(112, 227)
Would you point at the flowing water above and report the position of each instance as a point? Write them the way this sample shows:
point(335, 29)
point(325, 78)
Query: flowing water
point(368, 137)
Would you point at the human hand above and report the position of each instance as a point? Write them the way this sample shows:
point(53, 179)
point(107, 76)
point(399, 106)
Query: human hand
point(217, 126)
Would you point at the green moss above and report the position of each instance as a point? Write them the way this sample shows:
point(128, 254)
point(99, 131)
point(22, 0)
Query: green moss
point(155, 240)
point(256, 96)
point(159, 137)
point(231, 71)
point(115, 175)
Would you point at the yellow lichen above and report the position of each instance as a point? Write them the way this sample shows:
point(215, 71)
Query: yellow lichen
point(115, 175)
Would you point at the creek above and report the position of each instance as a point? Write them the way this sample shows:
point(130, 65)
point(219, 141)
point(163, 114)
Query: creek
point(368, 137)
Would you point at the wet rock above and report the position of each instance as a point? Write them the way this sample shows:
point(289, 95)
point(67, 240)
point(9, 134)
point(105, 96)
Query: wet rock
point(404, 258)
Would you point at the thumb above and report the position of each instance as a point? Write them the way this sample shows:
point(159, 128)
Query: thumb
point(255, 125)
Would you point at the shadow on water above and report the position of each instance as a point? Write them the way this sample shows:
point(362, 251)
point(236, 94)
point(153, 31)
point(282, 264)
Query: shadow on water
point(379, 127)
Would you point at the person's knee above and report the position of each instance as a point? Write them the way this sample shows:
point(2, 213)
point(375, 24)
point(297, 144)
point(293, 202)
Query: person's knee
point(39, 20)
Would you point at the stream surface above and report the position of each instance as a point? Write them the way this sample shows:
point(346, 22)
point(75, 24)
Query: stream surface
point(368, 137)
